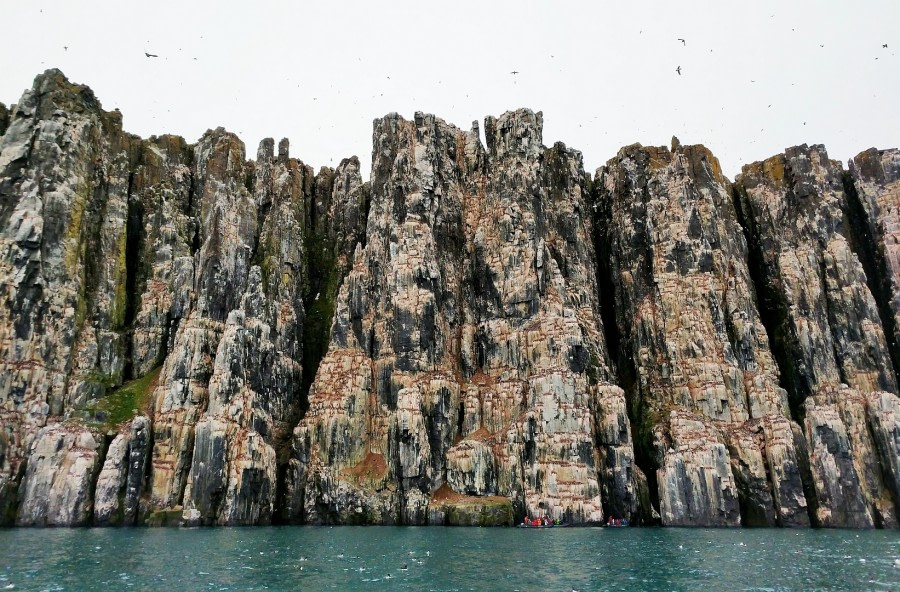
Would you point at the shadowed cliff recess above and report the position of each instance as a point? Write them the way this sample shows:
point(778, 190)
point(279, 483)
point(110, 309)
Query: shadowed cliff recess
point(479, 333)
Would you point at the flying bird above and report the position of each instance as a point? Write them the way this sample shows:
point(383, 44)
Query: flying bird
point(150, 55)
point(514, 72)
point(66, 47)
point(884, 45)
point(682, 41)
point(678, 69)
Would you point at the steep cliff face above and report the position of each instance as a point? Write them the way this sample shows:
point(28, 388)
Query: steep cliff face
point(121, 254)
point(64, 187)
point(467, 348)
point(836, 359)
point(58, 486)
point(713, 421)
point(161, 230)
point(189, 336)
point(875, 188)
point(873, 193)
point(227, 229)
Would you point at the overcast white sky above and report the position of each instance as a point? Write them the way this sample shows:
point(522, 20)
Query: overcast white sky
point(757, 76)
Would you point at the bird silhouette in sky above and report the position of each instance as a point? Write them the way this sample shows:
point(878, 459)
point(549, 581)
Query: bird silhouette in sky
point(514, 72)
point(884, 45)
point(682, 41)
point(150, 55)
point(66, 47)
point(678, 69)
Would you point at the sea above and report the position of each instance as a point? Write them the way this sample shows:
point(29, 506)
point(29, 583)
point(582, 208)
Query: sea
point(448, 559)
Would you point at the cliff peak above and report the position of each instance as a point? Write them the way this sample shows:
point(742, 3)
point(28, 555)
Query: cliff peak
point(515, 133)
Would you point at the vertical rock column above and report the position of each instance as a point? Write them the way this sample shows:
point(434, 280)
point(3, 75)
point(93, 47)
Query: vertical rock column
point(826, 325)
point(466, 349)
point(227, 217)
point(58, 487)
point(162, 230)
point(876, 188)
point(710, 414)
point(365, 450)
point(538, 341)
point(100, 348)
point(337, 223)
point(63, 185)
point(120, 484)
point(254, 391)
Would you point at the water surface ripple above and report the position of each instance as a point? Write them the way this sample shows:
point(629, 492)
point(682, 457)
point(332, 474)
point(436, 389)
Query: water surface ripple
point(448, 559)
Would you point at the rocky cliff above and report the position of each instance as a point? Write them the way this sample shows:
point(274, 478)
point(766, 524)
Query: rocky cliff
point(713, 423)
point(480, 332)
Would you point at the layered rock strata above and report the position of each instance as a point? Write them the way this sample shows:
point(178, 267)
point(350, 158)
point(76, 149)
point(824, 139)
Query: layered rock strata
point(483, 331)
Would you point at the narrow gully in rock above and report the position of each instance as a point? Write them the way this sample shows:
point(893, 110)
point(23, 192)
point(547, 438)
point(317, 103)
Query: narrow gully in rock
point(772, 311)
point(622, 354)
point(134, 229)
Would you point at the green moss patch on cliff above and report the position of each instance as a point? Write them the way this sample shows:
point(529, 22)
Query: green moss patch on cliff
point(129, 400)
point(323, 282)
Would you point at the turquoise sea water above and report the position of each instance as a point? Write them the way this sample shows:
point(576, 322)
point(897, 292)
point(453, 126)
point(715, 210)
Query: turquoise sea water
point(373, 558)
